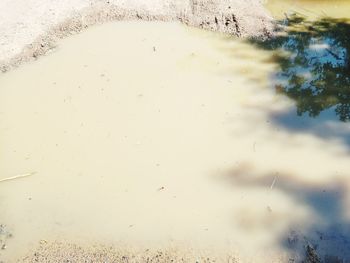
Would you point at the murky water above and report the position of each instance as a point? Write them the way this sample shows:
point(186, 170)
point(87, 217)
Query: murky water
point(311, 8)
point(313, 54)
point(157, 134)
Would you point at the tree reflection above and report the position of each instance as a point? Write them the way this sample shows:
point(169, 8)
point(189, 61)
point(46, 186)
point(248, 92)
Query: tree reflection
point(314, 59)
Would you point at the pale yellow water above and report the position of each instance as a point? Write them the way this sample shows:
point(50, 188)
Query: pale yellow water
point(311, 8)
point(158, 134)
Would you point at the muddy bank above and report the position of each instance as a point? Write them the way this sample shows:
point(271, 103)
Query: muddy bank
point(32, 28)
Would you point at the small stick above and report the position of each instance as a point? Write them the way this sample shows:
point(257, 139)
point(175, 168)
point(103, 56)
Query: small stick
point(333, 54)
point(273, 183)
point(17, 176)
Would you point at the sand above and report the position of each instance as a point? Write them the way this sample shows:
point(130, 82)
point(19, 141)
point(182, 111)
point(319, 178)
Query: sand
point(30, 28)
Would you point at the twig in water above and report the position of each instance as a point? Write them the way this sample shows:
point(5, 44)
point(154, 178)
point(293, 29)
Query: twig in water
point(333, 54)
point(16, 177)
point(273, 183)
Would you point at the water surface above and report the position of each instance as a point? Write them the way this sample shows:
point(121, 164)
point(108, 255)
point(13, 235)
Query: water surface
point(311, 8)
point(155, 134)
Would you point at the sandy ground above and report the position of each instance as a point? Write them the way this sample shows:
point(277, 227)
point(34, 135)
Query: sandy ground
point(29, 28)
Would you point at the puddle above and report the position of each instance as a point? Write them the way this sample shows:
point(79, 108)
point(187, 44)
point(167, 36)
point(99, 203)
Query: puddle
point(158, 134)
point(125, 136)
point(310, 8)
point(312, 51)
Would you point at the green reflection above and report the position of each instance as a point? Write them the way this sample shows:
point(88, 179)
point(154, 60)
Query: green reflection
point(314, 60)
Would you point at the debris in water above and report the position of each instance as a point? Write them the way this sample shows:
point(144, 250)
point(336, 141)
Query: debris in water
point(4, 235)
point(43, 241)
point(273, 183)
point(17, 176)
